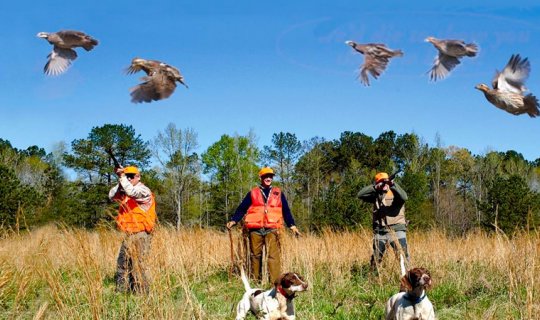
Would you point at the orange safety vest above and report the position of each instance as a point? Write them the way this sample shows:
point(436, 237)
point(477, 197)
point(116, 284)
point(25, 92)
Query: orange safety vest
point(265, 213)
point(132, 218)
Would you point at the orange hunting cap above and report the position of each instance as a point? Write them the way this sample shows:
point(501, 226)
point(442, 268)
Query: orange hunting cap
point(266, 171)
point(381, 176)
point(131, 169)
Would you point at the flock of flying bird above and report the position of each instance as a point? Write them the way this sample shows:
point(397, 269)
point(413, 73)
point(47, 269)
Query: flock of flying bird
point(159, 82)
point(508, 90)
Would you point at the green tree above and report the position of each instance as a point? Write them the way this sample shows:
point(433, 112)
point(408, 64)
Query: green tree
point(90, 159)
point(232, 165)
point(174, 150)
point(283, 155)
point(87, 199)
point(310, 173)
point(13, 197)
point(511, 204)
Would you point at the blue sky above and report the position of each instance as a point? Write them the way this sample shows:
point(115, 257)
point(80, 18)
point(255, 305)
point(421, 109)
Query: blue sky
point(269, 67)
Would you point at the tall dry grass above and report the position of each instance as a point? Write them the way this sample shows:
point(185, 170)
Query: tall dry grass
point(53, 273)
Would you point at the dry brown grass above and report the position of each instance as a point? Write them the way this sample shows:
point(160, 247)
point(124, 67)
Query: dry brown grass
point(54, 273)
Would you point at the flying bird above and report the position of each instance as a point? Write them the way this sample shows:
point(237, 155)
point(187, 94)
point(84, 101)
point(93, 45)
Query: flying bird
point(509, 88)
point(376, 59)
point(63, 54)
point(450, 51)
point(159, 82)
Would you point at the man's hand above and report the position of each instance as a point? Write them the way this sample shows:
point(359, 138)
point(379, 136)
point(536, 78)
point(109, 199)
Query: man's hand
point(119, 171)
point(297, 233)
point(230, 224)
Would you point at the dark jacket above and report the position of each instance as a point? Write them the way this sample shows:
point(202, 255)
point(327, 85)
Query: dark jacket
point(388, 207)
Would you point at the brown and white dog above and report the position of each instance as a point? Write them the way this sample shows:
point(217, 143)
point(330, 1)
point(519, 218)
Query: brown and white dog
point(273, 304)
point(412, 303)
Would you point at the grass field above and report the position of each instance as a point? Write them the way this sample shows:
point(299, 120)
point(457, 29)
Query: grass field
point(54, 273)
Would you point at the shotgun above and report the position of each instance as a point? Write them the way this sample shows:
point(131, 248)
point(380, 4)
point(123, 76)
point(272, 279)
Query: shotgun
point(111, 154)
point(393, 175)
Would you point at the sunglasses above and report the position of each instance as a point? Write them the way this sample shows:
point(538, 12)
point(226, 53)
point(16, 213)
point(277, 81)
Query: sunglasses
point(130, 175)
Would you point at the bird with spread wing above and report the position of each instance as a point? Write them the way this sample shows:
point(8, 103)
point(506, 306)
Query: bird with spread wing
point(509, 89)
point(450, 51)
point(376, 59)
point(63, 54)
point(159, 82)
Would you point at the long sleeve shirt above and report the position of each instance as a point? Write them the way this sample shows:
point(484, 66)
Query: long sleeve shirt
point(246, 203)
point(139, 192)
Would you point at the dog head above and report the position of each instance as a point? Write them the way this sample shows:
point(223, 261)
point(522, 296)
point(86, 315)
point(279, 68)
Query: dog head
point(416, 278)
point(291, 283)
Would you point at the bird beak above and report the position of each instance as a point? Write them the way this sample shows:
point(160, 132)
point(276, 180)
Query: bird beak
point(349, 42)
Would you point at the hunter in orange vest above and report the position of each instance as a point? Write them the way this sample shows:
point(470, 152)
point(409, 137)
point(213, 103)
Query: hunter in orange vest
point(264, 210)
point(136, 217)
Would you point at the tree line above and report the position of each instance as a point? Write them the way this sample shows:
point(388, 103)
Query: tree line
point(448, 187)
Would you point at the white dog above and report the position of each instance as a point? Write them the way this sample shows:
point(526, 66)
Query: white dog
point(273, 304)
point(413, 303)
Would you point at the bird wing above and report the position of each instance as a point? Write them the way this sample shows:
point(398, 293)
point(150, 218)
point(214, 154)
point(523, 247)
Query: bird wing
point(442, 66)
point(455, 48)
point(59, 61)
point(148, 66)
point(165, 85)
point(514, 75)
point(144, 92)
point(155, 87)
point(381, 50)
point(133, 68)
point(374, 65)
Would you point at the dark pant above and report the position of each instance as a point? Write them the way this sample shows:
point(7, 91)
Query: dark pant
point(271, 240)
point(131, 270)
point(382, 238)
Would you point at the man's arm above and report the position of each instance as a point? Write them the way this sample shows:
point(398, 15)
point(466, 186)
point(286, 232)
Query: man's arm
point(368, 193)
point(138, 191)
point(399, 192)
point(242, 208)
point(287, 215)
point(113, 192)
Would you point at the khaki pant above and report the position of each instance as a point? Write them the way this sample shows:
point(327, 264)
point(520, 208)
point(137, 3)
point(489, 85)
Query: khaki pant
point(396, 239)
point(131, 270)
point(273, 247)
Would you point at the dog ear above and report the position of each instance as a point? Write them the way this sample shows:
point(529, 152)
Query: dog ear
point(429, 284)
point(405, 284)
point(284, 280)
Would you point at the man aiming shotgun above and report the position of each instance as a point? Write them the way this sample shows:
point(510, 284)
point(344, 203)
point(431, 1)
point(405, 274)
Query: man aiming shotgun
point(388, 214)
point(136, 218)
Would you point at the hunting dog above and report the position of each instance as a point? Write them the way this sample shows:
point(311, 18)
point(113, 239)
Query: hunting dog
point(273, 304)
point(412, 303)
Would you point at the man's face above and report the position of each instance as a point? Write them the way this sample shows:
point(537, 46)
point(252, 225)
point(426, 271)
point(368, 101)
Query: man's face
point(266, 180)
point(134, 178)
point(381, 186)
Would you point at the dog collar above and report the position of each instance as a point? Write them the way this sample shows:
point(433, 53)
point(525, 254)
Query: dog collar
point(414, 299)
point(282, 291)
